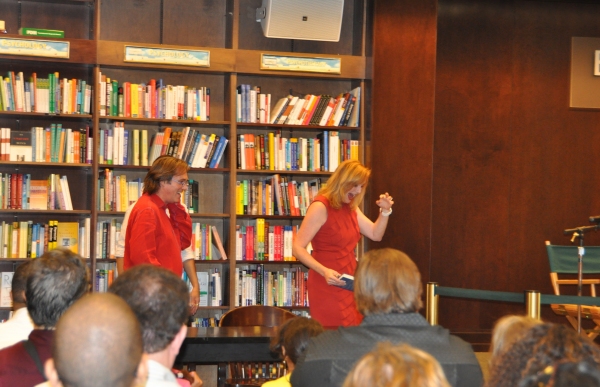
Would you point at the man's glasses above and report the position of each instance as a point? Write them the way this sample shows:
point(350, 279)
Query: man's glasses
point(183, 183)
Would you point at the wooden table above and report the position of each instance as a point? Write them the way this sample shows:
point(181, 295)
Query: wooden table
point(226, 344)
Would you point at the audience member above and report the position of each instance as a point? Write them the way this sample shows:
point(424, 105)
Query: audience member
point(508, 330)
point(565, 374)
point(291, 341)
point(396, 366)
point(387, 289)
point(56, 280)
point(98, 342)
point(541, 346)
point(159, 299)
point(19, 326)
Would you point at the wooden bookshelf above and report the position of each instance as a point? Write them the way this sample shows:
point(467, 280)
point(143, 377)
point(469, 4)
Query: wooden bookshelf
point(98, 33)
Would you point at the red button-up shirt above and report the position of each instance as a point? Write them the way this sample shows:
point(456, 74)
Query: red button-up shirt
point(154, 237)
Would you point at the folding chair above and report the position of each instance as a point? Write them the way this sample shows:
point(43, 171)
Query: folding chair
point(563, 264)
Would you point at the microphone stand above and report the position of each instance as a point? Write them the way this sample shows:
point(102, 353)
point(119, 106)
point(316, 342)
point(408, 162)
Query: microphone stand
point(579, 233)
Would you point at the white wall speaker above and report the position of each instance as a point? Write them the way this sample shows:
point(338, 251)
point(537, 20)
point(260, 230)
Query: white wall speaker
point(301, 19)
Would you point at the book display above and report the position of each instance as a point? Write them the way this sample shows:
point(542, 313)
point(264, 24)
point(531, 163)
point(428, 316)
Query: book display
point(178, 79)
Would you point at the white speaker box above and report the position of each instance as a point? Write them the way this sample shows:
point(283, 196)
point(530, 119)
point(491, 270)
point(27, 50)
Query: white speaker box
point(301, 19)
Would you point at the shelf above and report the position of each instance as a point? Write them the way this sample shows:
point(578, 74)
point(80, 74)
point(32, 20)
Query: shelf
point(294, 263)
point(282, 217)
point(81, 51)
point(273, 172)
point(17, 164)
point(45, 212)
point(70, 117)
point(192, 215)
point(164, 121)
point(248, 125)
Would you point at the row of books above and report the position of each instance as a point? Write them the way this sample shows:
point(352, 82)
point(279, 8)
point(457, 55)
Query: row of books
point(116, 193)
point(252, 106)
point(45, 95)
point(26, 239)
point(275, 195)
point(198, 149)
point(211, 287)
point(272, 151)
point(119, 146)
point(260, 241)
point(257, 286)
point(53, 144)
point(153, 99)
point(206, 241)
point(322, 110)
point(106, 273)
point(20, 191)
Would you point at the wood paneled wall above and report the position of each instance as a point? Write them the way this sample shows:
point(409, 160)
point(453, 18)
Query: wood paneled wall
point(473, 136)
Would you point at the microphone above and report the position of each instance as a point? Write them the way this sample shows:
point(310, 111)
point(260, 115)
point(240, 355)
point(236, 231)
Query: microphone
point(595, 219)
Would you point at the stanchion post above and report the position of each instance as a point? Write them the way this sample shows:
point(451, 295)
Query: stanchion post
point(432, 303)
point(532, 301)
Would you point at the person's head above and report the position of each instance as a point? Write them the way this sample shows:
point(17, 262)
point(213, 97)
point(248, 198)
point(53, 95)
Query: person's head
point(347, 184)
point(159, 299)
point(565, 374)
point(293, 337)
point(98, 342)
point(508, 330)
point(541, 346)
point(387, 281)
point(56, 280)
point(19, 284)
point(167, 178)
point(396, 366)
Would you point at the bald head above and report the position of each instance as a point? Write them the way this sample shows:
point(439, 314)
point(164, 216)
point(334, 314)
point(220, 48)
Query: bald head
point(98, 342)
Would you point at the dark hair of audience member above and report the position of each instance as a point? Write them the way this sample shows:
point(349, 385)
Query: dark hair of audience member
point(565, 374)
point(294, 335)
point(19, 282)
point(541, 346)
point(387, 281)
point(400, 365)
point(98, 342)
point(57, 279)
point(158, 298)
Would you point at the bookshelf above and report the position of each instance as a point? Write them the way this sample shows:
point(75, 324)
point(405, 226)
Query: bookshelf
point(98, 33)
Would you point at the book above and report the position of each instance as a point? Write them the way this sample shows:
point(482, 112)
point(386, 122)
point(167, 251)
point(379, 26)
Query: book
point(217, 241)
point(28, 31)
point(67, 236)
point(349, 280)
point(38, 195)
point(5, 289)
point(20, 145)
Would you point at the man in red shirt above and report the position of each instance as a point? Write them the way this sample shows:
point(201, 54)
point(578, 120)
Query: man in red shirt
point(159, 227)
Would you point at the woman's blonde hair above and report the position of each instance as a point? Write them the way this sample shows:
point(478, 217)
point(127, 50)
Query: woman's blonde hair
point(387, 281)
point(348, 174)
point(396, 366)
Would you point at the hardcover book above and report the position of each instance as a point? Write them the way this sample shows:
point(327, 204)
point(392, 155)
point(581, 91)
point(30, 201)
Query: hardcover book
point(349, 280)
point(20, 146)
point(67, 236)
point(38, 195)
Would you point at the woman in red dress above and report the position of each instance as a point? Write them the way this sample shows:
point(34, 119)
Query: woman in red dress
point(333, 225)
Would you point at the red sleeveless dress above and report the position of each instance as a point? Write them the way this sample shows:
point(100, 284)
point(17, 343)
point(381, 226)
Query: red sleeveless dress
point(334, 246)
